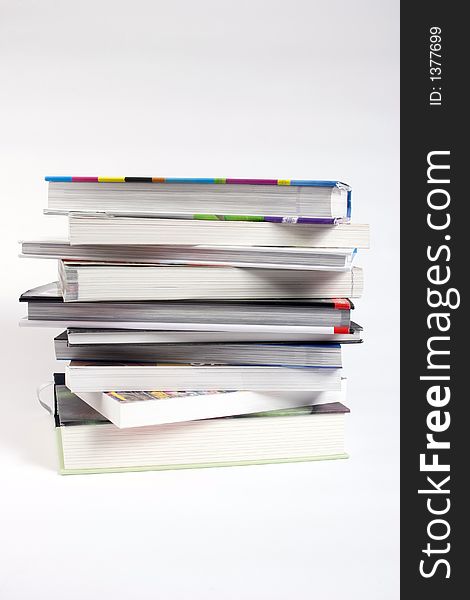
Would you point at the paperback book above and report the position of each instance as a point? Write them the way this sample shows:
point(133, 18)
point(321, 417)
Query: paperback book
point(260, 257)
point(81, 376)
point(104, 229)
point(139, 409)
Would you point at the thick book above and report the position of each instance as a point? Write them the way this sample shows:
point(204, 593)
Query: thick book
point(286, 354)
point(102, 229)
point(275, 200)
point(81, 376)
point(140, 409)
point(91, 282)
point(89, 443)
point(327, 316)
point(133, 337)
point(232, 256)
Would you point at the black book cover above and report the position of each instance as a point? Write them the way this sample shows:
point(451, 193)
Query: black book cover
point(50, 292)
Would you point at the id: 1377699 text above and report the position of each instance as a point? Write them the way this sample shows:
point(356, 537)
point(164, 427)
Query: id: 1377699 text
point(435, 66)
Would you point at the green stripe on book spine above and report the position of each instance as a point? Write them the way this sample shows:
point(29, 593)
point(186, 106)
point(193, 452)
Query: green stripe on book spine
point(227, 218)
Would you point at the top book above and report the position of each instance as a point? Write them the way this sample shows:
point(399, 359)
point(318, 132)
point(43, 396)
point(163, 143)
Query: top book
point(272, 200)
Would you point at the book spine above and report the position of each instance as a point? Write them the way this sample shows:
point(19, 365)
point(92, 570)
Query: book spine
point(195, 180)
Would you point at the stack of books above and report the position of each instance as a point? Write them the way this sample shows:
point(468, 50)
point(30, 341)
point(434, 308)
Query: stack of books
point(203, 320)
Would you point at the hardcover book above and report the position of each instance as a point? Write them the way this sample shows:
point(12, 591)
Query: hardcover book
point(276, 200)
point(133, 337)
point(327, 316)
point(89, 443)
point(88, 282)
point(287, 354)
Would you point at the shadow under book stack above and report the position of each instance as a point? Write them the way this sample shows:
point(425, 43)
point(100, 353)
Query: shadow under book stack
point(203, 320)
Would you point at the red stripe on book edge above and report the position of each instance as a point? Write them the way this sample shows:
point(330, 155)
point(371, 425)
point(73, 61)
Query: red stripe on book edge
point(341, 329)
point(342, 303)
point(85, 179)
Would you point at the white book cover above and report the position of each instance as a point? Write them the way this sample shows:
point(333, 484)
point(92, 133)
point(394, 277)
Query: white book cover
point(137, 409)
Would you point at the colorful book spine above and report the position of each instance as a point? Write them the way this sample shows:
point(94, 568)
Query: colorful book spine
point(203, 180)
point(214, 180)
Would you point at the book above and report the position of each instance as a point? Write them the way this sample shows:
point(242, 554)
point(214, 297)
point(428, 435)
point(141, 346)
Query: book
point(231, 256)
point(140, 409)
point(102, 229)
point(328, 316)
point(285, 354)
point(92, 282)
point(81, 376)
point(88, 443)
point(263, 199)
point(217, 332)
point(133, 337)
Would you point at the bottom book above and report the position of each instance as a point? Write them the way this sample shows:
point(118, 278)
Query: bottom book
point(89, 443)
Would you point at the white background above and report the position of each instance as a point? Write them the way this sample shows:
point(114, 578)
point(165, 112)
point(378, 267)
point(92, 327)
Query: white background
point(298, 89)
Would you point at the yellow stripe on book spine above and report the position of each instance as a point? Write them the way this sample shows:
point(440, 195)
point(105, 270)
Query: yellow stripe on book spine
point(116, 395)
point(159, 394)
point(283, 182)
point(111, 179)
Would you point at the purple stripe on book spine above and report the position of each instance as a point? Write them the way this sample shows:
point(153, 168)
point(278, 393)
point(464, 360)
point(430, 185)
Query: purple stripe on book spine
point(303, 220)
